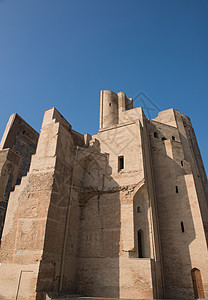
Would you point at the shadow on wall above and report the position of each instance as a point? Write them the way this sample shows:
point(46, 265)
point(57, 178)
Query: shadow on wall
point(24, 147)
point(141, 224)
point(81, 253)
point(176, 226)
point(99, 232)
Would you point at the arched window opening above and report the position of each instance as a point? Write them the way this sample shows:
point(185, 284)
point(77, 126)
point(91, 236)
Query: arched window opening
point(120, 163)
point(173, 138)
point(182, 227)
point(176, 189)
point(138, 209)
point(155, 135)
point(109, 104)
point(197, 283)
point(140, 244)
point(181, 163)
point(164, 138)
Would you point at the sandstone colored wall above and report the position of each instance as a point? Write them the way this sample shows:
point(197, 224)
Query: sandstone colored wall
point(9, 167)
point(72, 224)
point(136, 277)
point(25, 254)
point(24, 232)
point(17, 146)
point(177, 201)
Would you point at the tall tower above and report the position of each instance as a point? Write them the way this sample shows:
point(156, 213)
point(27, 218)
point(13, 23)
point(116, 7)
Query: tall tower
point(112, 106)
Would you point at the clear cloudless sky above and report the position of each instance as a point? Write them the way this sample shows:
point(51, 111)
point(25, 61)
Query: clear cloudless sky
point(63, 52)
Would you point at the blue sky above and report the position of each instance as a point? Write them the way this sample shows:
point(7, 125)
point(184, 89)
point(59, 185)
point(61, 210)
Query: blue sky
point(63, 52)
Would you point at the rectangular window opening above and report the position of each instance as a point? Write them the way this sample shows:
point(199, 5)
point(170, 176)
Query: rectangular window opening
point(120, 163)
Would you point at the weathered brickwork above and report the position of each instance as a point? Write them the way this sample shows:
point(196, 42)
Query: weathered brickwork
point(119, 214)
point(22, 139)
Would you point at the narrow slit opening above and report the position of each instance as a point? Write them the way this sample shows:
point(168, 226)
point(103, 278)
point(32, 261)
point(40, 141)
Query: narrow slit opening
point(182, 227)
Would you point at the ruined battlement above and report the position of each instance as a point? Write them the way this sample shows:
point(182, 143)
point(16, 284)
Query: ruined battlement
point(111, 107)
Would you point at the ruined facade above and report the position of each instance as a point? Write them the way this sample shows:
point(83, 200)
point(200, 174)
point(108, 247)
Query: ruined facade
point(119, 214)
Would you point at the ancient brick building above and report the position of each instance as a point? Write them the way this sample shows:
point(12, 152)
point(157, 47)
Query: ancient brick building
point(119, 214)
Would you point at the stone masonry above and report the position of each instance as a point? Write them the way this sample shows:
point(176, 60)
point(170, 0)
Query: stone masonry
point(119, 214)
point(18, 144)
